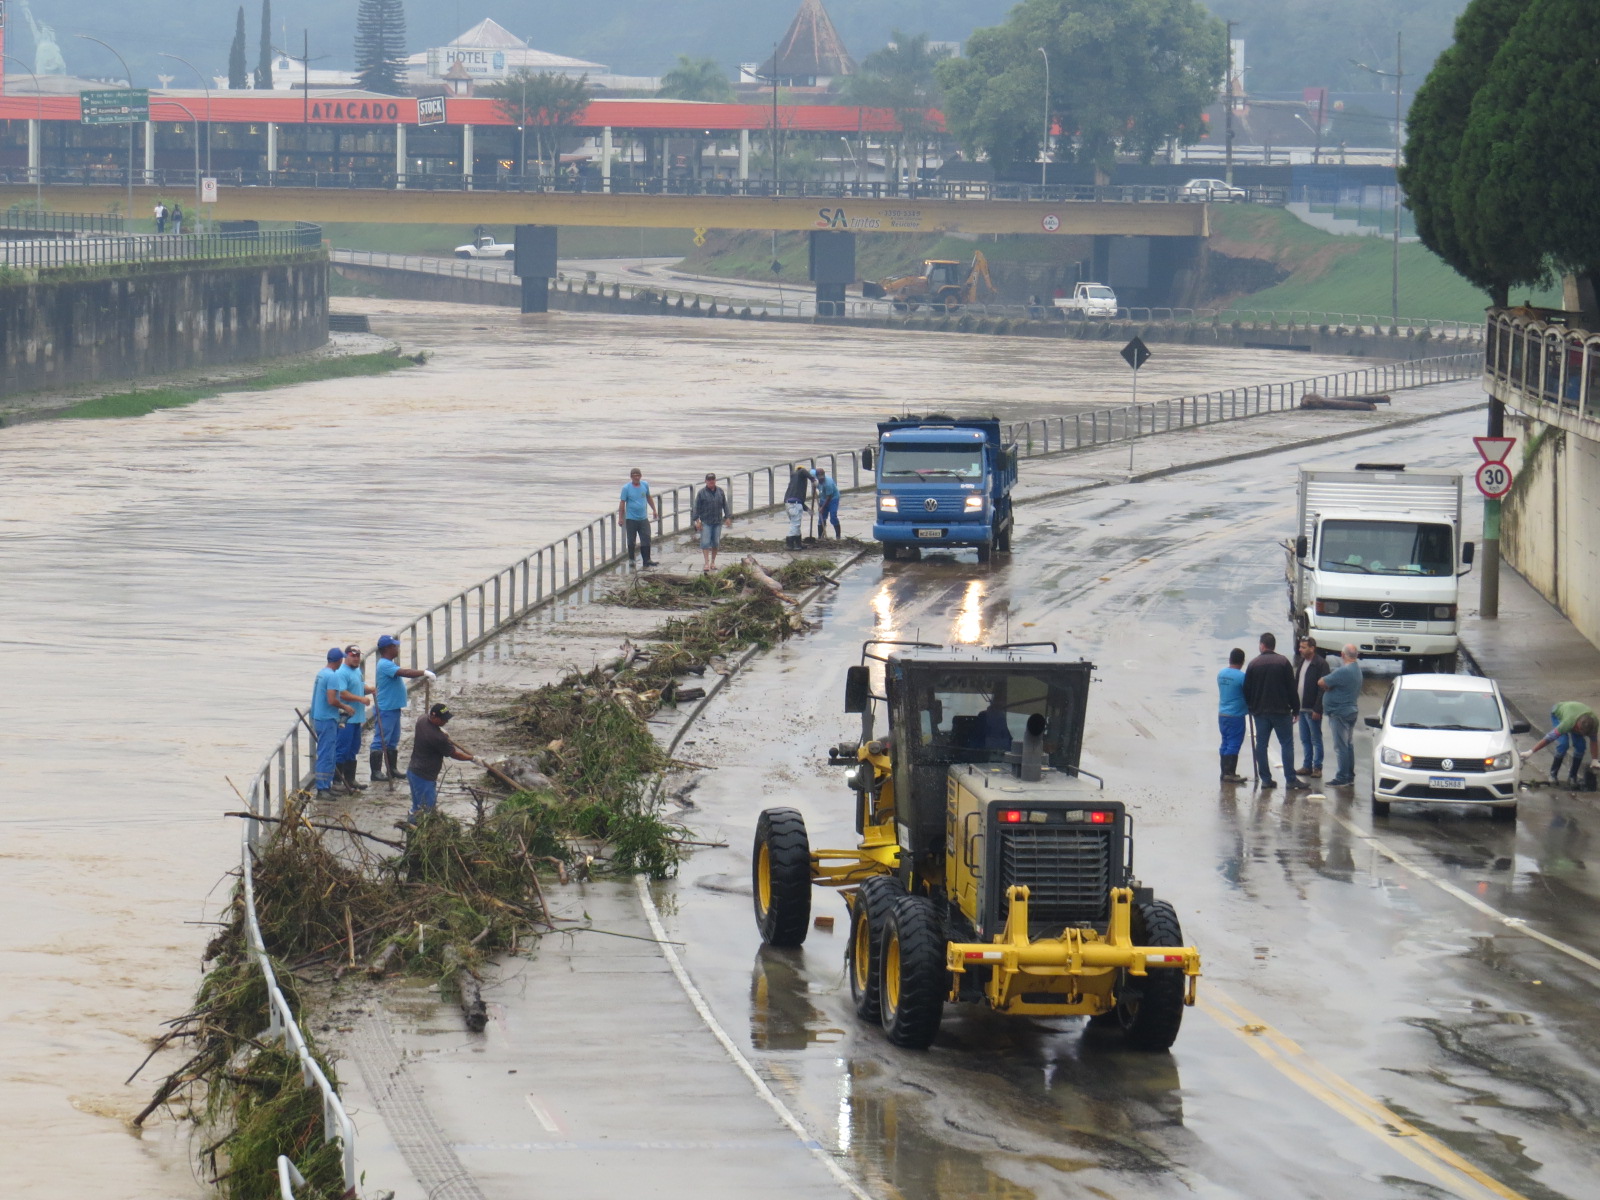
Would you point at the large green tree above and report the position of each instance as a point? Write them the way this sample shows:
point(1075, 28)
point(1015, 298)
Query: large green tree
point(1125, 75)
point(1436, 127)
point(542, 101)
point(904, 78)
point(381, 46)
point(696, 79)
point(238, 72)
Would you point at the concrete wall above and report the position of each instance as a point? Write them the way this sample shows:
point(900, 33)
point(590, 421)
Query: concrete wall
point(1549, 528)
point(155, 318)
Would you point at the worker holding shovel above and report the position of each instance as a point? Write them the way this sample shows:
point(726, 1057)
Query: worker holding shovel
point(430, 746)
point(794, 503)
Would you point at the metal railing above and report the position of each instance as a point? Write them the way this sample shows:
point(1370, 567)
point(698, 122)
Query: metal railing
point(1051, 435)
point(1541, 360)
point(171, 247)
point(450, 631)
point(30, 220)
point(625, 183)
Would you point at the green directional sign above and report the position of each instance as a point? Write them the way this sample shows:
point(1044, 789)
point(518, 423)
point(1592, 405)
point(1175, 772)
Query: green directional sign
point(115, 106)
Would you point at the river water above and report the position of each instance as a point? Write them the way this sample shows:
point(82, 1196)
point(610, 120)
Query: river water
point(168, 585)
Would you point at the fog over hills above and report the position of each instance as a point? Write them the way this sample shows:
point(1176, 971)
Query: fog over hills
point(1290, 43)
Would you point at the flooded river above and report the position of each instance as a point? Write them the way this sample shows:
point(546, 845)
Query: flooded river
point(168, 585)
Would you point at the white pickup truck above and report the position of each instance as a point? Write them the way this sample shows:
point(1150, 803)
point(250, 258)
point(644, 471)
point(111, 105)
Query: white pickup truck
point(486, 247)
point(1374, 562)
point(1088, 300)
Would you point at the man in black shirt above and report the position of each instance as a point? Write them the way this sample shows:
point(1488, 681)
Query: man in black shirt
point(429, 748)
point(1269, 694)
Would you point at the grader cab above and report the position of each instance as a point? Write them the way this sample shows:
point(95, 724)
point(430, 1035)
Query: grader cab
point(991, 869)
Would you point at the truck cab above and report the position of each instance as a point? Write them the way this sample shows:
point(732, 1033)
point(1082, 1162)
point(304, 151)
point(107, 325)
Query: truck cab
point(1376, 561)
point(943, 482)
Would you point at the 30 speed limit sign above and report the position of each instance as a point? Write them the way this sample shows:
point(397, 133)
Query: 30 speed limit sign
point(1494, 479)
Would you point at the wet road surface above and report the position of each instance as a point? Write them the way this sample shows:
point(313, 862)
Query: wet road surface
point(1362, 1031)
point(168, 585)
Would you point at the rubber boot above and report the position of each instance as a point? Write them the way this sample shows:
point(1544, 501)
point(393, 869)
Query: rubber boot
point(392, 758)
point(350, 777)
point(375, 766)
point(1555, 768)
point(1230, 769)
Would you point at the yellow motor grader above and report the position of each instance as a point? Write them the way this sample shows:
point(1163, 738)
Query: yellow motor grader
point(991, 868)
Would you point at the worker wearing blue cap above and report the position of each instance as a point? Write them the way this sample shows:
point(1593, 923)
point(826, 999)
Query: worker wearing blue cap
point(391, 698)
point(356, 692)
point(327, 707)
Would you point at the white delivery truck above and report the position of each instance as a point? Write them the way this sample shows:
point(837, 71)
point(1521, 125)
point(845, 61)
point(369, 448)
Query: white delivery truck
point(1374, 562)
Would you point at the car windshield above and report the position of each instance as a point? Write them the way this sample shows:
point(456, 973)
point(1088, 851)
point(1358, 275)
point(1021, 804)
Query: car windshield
point(1387, 548)
point(934, 462)
point(1424, 708)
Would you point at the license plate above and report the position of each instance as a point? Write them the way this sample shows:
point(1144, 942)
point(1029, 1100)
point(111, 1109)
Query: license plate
point(930, 533)
point(1385, 643)
point(1446, 783)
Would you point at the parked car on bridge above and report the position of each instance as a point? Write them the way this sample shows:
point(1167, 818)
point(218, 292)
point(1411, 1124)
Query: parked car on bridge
point(485, 246)
point(1445, 739)
point(1215, 190)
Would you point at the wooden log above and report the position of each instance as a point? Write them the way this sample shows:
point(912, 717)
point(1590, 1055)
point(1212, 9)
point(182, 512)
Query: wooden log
point(1313, 401)
point(765, 580)
point(379, 966)
point(472, 1005)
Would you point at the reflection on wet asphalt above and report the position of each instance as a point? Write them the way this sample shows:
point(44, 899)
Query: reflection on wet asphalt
point(168, 585)
point(1404, 1002)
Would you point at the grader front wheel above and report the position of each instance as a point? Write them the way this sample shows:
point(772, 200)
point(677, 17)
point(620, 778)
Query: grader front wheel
point(780, 877)
point(869, 914)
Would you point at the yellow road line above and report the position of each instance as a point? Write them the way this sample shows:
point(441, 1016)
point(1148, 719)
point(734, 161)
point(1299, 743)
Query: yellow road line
point(1365, 1112)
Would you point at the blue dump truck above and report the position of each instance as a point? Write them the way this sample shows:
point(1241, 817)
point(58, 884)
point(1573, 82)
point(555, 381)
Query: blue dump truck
point(942, 482)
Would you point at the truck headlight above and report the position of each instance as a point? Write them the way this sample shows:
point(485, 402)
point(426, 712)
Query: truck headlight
point(1501, 762)
point(1393, 758)
point(1328, 608)
point(974, 503)
point(1444, 612)
point(889, 503)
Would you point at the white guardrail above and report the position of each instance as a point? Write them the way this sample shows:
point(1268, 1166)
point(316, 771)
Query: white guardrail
point(449, 631)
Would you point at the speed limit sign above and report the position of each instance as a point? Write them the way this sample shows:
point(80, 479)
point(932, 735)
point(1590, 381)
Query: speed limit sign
point(1494, 479)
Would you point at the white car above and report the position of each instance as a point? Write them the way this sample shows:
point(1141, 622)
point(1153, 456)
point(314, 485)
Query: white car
point(486, 247)
point(1215, 190)
point(1445, 739)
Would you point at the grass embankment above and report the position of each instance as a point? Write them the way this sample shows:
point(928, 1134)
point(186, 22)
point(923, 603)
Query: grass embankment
point(147, 400)
point(576, 241)
point(1329, 273)
point(455, 892)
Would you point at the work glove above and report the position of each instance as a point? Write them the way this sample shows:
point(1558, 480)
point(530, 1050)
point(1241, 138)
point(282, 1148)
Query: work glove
point(430, 676)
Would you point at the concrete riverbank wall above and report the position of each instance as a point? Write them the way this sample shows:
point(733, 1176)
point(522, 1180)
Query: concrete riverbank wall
point(145, 319)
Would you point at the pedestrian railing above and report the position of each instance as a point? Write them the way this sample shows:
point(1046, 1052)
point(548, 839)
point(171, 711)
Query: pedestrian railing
point(32, 220)
point(1051, 435)
point(97, 250)
point(455, 628)
point(1531, 359)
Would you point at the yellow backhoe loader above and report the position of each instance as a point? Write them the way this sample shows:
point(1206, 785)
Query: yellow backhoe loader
point(944, 283)
point(991, 869)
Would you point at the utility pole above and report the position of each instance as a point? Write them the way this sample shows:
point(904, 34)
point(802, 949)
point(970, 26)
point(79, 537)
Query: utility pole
point(1227, 100)
point(129, 74)
point(1399, 85)
point(1044, 154)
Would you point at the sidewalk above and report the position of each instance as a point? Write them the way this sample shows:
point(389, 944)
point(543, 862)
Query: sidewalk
point(1533, 651)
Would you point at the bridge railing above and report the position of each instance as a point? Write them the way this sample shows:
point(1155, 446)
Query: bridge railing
point(1540, 362)
point(183, 180)
point(26, 221)
point(1050, 435)
point(102, 250)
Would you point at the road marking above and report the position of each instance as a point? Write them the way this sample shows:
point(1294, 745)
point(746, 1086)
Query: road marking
point(766, 1093)
point(1466, 897)
point(543, 1114)
point(1365, 1112)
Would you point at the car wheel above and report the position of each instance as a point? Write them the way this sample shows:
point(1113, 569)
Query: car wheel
point(1380, 808)
point(1506, 812)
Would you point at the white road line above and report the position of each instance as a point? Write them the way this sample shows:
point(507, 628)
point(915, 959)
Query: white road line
point(766, 1093)
point(543, 1114)
point(1466, 897)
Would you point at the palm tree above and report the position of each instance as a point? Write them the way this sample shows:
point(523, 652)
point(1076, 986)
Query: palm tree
point(696, 79)
point(901, 77)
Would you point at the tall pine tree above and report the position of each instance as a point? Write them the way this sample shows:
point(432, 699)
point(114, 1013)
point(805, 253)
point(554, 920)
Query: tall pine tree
point(238, 73)
point(264, 54)
point(381, 46)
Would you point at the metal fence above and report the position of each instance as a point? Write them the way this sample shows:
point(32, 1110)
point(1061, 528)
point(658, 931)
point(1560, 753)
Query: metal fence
point(1545, 362)
point(94, 250)
point(449, 631)
point(31, 221)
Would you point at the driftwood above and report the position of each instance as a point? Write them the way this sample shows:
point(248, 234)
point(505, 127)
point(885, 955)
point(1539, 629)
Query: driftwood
point(767, 581)
point(379, 966)
point(472, 1005)
point(1352, 404)
point(351, 829)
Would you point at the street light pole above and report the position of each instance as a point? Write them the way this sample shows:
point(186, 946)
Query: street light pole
point(207, 88)
point(1398, 75)
point(1227, 101)
point(196, 124)
point(1044, 153)
point(38, 121)
point(129, 74)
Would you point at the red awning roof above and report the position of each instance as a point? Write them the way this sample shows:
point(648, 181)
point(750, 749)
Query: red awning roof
point(289, 108)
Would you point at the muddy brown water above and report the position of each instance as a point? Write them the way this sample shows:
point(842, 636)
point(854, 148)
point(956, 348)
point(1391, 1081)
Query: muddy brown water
point(168, 585)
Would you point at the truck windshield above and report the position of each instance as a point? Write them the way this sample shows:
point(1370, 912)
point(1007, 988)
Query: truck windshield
point(1100, 293)
point(1387, 548)
point(1420, 708)
point(943, 462)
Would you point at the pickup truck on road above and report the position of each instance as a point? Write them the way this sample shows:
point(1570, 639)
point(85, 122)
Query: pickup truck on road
point(1088, 300)
point(486, 247)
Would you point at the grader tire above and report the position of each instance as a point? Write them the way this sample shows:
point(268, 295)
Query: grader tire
point(780, 877)
point(874, 900)
point(1150, 1011)
point(912, 975)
